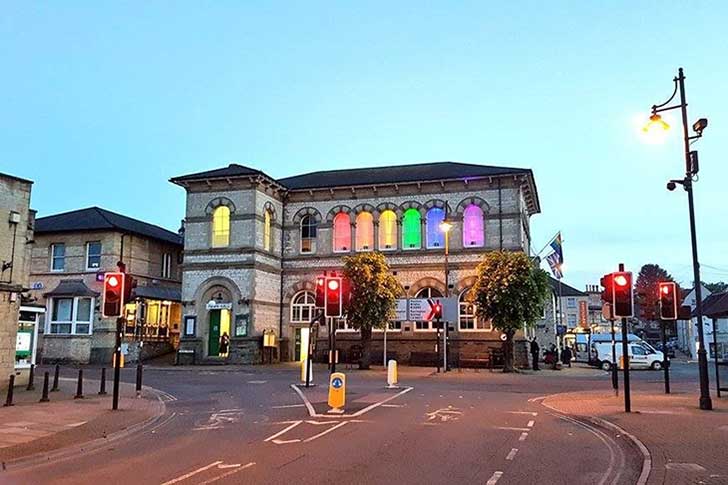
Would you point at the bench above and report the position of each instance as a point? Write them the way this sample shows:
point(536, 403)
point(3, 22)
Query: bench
point(185, 354)
point(475, 361)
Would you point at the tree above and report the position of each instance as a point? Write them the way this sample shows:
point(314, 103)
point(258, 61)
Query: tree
point(510, 291)
point(647, 289)
point(717, 287)
point(374, 291)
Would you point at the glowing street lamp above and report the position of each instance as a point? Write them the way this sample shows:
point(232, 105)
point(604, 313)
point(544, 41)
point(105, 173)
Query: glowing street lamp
point(656, 123)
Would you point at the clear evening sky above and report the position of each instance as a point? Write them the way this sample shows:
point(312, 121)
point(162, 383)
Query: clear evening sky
point(103, 102)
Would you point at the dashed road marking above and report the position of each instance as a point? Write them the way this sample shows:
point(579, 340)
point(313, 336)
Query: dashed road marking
point(283, 431)
point(494, 478)
point(192, 473)
point(531, 423)
point(523, 436)
point(257, 382)
point(227, 474)
point(530, 413)
point(307, 440)
point(286, 406)
point(536, 399)
point(509, 428)
point(512, 454)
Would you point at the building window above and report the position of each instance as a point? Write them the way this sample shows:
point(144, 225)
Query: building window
point(411, 236)
point(341, 324)
point(303, 307)
point(308, 234)
point(473, 233)
point(466, 312)
point(71, 316)
point(166, 265)
point(342, 233)
point(266, 231)
point(58, 257)
point(427, 293)
point(571, 303)
point(387, 230)
point(93, 255)
point(221, 227)
point(364, 232)
point(435, 236)
point(571, 320)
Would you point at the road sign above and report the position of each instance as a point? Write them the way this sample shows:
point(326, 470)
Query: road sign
point(401, 310)
point(419, 308)
point(337, 392)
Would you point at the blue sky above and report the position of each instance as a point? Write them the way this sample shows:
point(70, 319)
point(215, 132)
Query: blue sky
point(102, 102)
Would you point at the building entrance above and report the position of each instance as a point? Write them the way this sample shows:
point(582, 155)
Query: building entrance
point(218, 343)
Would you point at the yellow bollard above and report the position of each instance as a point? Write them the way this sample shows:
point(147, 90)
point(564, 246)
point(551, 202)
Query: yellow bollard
point(113, 360)
point(392, 374)
point(337, 392)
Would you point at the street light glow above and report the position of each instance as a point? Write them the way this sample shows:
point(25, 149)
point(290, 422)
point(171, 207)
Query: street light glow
point(656, 129)
point(445, 226)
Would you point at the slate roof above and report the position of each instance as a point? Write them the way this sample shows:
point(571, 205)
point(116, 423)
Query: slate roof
point(715, 305)
point(232, 170)
point(566, 290)
point(98, 219)
point(158, 293)
point(72, 288)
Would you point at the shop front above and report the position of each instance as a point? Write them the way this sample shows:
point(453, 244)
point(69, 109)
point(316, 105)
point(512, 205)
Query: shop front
point(26, 341)
point(152, 323)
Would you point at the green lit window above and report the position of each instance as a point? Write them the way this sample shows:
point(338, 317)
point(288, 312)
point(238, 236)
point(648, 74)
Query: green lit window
point(411, 236)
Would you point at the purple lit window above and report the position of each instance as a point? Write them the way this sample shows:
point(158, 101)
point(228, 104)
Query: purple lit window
point(473, 234)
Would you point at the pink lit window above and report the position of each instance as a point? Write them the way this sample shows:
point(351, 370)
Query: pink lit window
point(342, 232)
point(473, 233)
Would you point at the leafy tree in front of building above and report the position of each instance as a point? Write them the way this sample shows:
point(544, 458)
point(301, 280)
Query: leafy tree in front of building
point(647, 290)
point(510, 291)
point(374, 291)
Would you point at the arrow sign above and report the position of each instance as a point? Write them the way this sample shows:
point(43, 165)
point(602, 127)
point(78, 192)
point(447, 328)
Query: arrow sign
point(432, 313)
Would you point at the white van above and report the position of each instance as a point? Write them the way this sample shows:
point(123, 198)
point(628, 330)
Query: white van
point(641, 355)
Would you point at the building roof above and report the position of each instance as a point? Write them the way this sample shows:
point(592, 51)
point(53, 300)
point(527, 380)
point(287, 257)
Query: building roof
point(715, 305)
point(72, 288)
point(566, 290)
point(232, 170)
point(98, 219)
point(158, 293)
point(20, 179)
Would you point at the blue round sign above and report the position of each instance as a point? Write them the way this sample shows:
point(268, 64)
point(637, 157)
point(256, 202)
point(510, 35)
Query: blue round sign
point(337, 382)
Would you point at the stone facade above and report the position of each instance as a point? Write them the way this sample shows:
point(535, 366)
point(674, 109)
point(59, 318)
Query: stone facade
point(258, 286)
point(144, 260)
point(16, 236)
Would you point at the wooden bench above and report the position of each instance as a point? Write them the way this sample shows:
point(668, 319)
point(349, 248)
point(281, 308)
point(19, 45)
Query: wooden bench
point(475, 361)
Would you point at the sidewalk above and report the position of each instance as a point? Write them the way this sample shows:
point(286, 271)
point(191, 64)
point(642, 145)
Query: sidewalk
point(30, 427)
point(686, 445)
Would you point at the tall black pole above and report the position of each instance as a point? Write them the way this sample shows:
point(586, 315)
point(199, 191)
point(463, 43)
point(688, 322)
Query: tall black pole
point(437, 343)
point(665, 360)
point(615, 372)
point(117, 364)
point(625, 367)
point(705, 402)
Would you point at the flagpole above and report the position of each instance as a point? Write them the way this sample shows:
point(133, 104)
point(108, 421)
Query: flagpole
point(550, 241)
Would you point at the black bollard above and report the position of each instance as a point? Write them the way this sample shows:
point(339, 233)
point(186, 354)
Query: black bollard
point(55, 379)
point(139, 380)
point(102, 390)
point(44, 397)
point(11, 385)
point(31, 379)
point(79, 385)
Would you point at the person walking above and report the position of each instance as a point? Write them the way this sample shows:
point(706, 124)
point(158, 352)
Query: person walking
point(566, 355)
point(535, 350)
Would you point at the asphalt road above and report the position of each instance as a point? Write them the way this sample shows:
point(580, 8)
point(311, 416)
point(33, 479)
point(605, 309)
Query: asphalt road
point(250, 426)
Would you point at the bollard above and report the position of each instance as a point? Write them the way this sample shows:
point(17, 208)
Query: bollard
point(139, 380)
point(55, 378)
point(31, 379)
point(44, 397)
point(11, 385)
point(79, 385)
point(102, 389)
point(392, 374)
point(337, 393)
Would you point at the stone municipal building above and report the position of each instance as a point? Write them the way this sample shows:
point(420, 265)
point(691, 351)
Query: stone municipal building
point(253, 246)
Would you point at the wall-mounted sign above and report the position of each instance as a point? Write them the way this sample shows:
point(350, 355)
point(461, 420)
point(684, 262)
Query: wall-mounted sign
point(190, 325)
point(583, 315)
point(214, 305)
point(241, 325)
point(38, 285)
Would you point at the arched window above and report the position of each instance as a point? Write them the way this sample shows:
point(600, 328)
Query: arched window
point(427, 292)
point(411, 237)
point(387, 230)
point(221, 227)
point(466, 312)
point(266, 231)
point(364, 231)
point(435, 236)
point(308, 234)
point(473, 234)
point(303, 307)
point(342, 233)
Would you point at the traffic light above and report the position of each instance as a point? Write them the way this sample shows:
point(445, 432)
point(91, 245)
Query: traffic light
point(114, 293)
point(334, 303)
point(668, 300)
point(607, 293)
point(320, 291)
point(437, 311)
point(622, 291)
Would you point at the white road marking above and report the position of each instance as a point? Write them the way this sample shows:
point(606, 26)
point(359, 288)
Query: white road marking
point(494, 478)
point(508, 428)
point(231, 472)
point(512, 454)
point(313, 414)
point(74, 425)
point(284, 430)
point(392, 405)
point(531, 423)
point(307, 440)
point(523, 436)
point(286, 442)
point(530, 413)
point(286, 406)
point(445, 414)
point(535, 399)
point(192, 473)
point(223, 466)
point(257, 382)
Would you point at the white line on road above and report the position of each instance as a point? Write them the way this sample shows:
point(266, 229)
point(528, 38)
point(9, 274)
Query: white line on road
point(512, 454)
point(494, 478)
point(283, 431)
point(531, 423)
point(192, 473)
point(530, 413)
point(392, 405)
point(286, 442)
point(313, 414)
point(307, 440)
point(231, 472)
point(286, 406)
point(223, 466)
point(508, 428)
point(535, 399)
point(523, 436)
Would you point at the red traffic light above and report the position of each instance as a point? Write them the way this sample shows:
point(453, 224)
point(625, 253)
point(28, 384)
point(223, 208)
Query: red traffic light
point(333, 284)
point(668, 300)
point(114, 294)
point(664, 289)
point(334, 304)
point(113, 281)
point(621, 280)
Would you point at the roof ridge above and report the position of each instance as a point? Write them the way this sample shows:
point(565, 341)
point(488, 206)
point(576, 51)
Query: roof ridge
point(101, 212)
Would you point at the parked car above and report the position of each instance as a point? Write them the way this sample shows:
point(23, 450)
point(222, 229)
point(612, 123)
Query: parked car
point(641, 356)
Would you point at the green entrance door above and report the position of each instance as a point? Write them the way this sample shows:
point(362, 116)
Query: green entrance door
point(213, 345)
point(297, 345)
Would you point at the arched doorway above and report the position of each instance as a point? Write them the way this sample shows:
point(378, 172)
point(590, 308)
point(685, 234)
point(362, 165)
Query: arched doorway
point(218, 305)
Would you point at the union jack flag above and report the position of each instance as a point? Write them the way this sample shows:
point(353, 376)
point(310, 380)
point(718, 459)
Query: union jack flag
point(555, 263)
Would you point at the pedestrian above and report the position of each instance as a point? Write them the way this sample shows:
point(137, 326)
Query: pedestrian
point(224, 344)
point(566, 355)
point(535, 350)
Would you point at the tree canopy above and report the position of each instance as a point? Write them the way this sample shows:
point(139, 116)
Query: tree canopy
point(646, 289)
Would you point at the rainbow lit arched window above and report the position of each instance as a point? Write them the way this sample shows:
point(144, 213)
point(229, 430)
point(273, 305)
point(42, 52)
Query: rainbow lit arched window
point(435, 236)
point(411, 237)
point(342, 232)
point(473, 234)
point(364, 231)
point(387, 230)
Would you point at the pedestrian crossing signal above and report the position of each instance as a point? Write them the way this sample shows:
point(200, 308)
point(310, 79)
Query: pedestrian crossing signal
point(668, 300)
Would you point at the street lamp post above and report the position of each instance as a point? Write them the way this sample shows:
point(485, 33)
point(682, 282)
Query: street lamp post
point(445, 227)
point(691, 170)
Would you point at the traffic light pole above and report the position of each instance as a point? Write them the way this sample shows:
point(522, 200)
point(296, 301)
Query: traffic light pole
point(615, 371)
point(437, 345)
point(665, 360)
point(625, 367)
point(117, 363)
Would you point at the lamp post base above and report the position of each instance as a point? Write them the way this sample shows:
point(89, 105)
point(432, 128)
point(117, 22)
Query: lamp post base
point(706, 403)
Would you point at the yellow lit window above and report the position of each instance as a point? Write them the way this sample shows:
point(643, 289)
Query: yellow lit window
point(266, 231)
point(221, 227)
point(388, 230)
point(364, 232)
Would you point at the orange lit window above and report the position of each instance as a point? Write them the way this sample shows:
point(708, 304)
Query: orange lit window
point(364, 232)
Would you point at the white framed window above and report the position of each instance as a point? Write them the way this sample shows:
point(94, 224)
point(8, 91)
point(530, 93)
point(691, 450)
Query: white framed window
point(93, 255)
point(571, 320)
point(71, 316)
point(392, 326)
point(571, 302)
point(166, 265)
point(58, 257)
point(303, 307)
point(466, 313)
point(342, 325)
point(308, 234)
point(424, 326)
